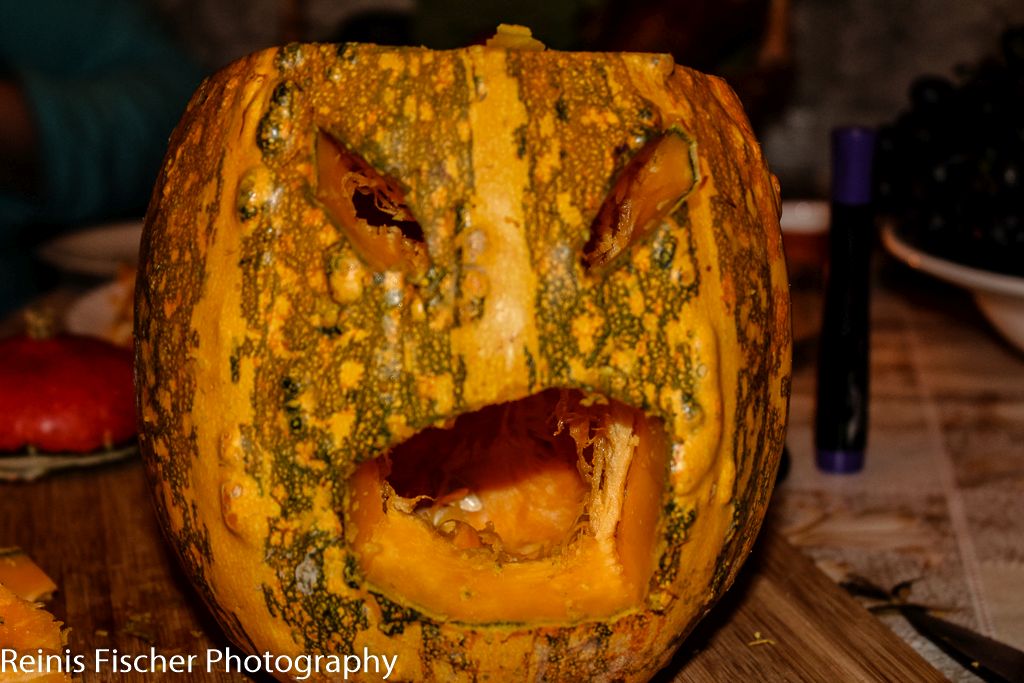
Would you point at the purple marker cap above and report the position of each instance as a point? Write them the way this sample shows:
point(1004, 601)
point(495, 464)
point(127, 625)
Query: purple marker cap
point(840, 462)
point(853, 150)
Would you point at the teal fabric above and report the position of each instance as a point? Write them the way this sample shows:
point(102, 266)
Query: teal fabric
point(106, 86)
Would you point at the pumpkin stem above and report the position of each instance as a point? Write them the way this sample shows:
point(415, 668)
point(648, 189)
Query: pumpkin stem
point(514, 37)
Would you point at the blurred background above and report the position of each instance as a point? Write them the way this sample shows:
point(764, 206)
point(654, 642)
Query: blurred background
point(91, 89)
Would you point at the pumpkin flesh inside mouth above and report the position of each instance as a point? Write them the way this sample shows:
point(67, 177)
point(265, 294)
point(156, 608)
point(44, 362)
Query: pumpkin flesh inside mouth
point(544, 508)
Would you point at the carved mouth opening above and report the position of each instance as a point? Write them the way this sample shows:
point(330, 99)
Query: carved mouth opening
point(544, 508)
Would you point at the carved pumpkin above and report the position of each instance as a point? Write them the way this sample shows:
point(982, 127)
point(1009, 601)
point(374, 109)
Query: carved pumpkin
point(477, 357)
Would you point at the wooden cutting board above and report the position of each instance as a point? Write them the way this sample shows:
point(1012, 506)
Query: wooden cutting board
point(95, 534)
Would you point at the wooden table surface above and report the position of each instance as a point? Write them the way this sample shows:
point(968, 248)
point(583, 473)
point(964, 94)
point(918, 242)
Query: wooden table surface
point(95, 533)
point(940, 503)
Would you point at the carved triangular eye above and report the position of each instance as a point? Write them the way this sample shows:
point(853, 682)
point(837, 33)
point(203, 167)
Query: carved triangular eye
point(649, 188)
point(369, 207)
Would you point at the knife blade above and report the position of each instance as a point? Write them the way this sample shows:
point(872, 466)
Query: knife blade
point(990, 659)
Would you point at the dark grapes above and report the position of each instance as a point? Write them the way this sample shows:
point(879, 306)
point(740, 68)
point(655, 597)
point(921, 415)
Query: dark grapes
point(950, 168)
point(928, 92)
point(1013, 48)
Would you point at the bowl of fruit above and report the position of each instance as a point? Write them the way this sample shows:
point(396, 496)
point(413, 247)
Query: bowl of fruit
point(999, 296)
point(950, 182)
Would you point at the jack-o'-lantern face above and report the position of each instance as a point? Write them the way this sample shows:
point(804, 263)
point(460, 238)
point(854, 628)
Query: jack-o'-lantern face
point(442, 352)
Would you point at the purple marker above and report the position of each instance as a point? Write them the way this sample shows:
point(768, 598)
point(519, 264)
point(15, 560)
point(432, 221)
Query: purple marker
point(841, 420)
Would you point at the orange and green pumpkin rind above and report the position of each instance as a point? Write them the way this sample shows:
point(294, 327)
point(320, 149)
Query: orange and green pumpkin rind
point(272, 359)
point(29, 631)
point(23, 577)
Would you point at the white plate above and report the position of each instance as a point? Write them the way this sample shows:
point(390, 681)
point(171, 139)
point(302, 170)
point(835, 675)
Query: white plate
point(98, 251)
point(98, 313)
point(29, 466)
point(999, 296)
point(805, 216)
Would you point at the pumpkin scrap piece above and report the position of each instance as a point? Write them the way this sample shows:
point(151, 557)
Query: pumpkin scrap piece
point(29, 630)
point(23, 577)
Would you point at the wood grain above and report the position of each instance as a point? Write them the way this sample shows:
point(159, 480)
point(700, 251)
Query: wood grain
point(784, 620)
point(94, 532)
